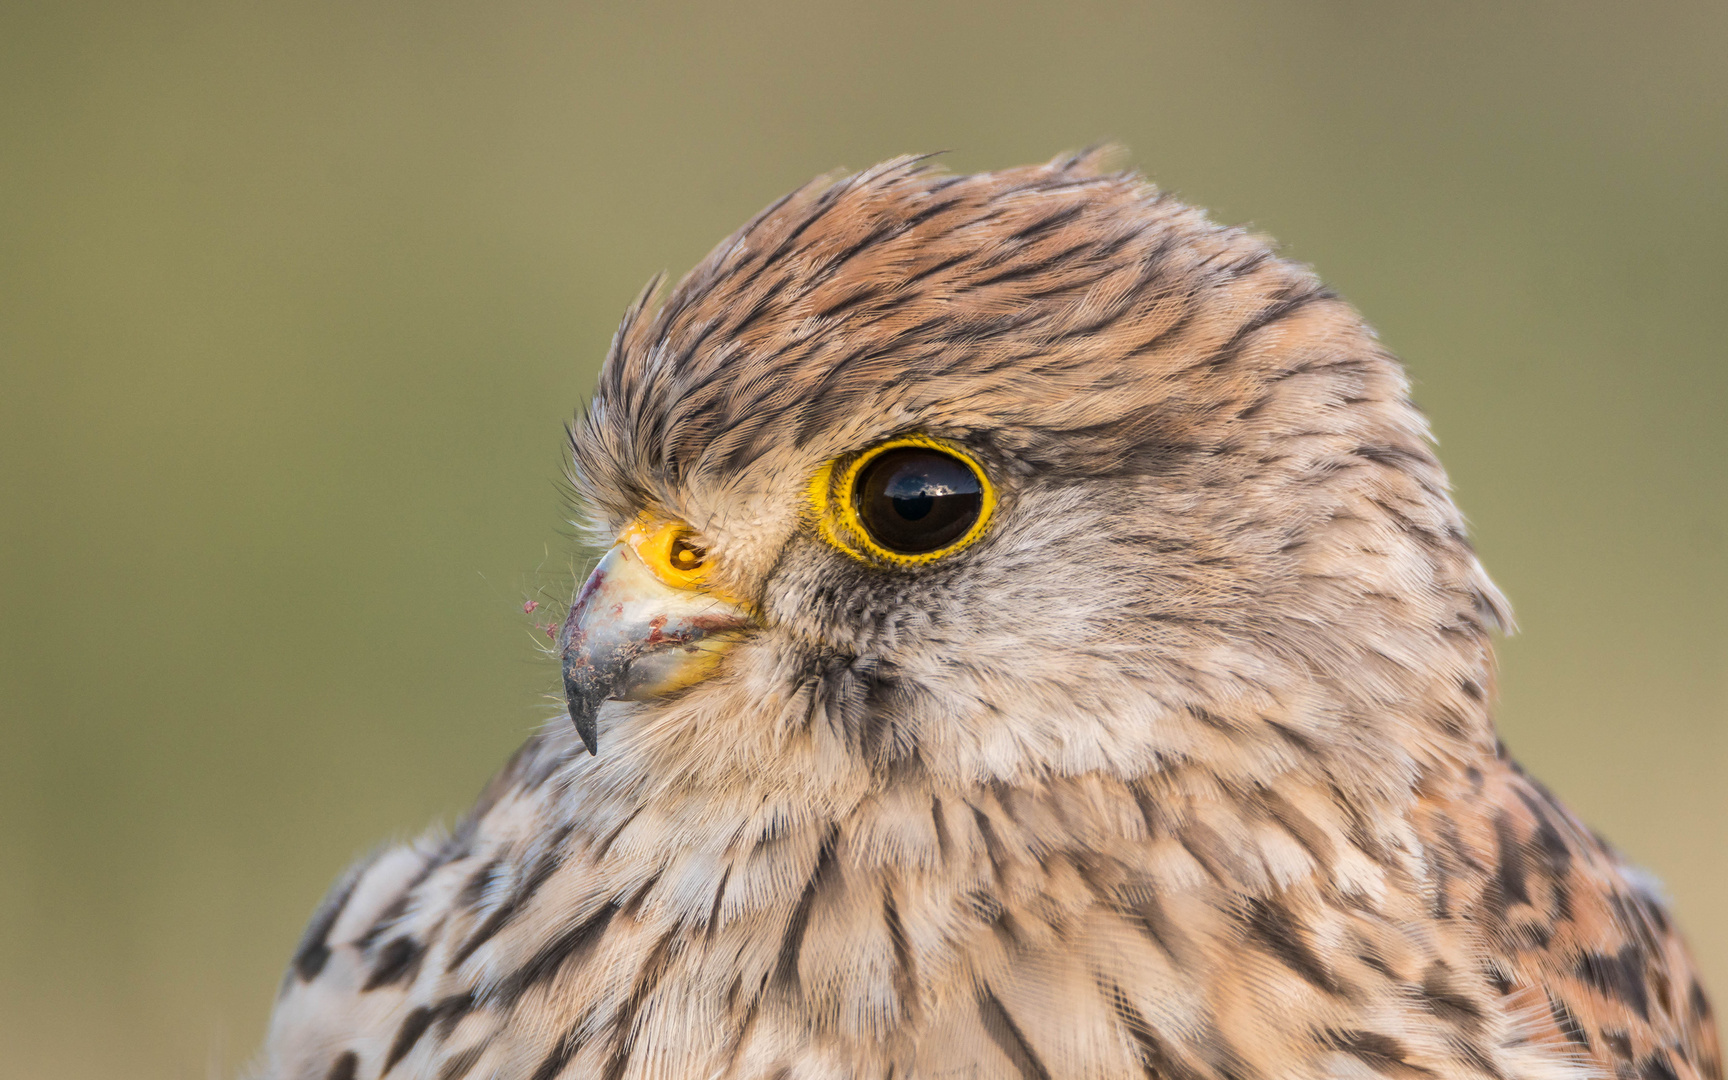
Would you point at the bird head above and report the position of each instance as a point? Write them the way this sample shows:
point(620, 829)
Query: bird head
point(1034, 471)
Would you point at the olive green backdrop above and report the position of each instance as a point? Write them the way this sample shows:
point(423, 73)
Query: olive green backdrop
point(295, 297)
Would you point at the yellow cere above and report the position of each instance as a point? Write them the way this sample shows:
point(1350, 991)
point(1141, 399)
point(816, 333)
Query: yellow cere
point(832, 499)
point(666, 549)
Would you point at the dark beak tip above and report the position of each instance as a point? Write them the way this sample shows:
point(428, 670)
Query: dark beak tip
point(583, 716)
point(584, 710)
point(588, 732)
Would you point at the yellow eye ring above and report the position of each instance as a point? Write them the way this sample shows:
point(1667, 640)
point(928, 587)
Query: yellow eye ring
point(834, 502)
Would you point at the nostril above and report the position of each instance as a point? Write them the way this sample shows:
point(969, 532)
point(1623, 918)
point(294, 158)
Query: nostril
point(685, 555)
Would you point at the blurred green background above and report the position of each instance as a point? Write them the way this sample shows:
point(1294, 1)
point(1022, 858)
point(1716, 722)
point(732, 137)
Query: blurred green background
point(294, 299)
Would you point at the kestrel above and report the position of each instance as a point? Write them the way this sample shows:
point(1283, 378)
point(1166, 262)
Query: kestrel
point(1036, 641)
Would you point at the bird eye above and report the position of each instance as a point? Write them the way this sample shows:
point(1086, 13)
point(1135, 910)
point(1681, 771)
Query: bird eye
point(913, 500)
point(907, 501)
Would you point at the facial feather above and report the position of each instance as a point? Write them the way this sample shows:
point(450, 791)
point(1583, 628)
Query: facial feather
point(1222, 526)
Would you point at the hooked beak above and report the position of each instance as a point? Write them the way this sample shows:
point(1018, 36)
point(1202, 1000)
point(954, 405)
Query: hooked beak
point(630, 636)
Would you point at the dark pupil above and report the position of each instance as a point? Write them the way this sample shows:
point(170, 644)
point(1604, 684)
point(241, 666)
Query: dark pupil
point(914, 499)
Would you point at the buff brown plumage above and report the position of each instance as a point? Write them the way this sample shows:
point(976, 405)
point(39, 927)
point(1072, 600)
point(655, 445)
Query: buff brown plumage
point(1174, 758)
